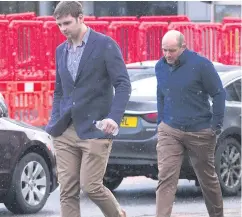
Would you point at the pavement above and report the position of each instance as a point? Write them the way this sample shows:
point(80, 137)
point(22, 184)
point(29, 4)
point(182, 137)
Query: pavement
point(137, 196)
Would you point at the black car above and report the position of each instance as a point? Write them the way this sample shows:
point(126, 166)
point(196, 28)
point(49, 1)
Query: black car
point(134, 149)
point(27, 165)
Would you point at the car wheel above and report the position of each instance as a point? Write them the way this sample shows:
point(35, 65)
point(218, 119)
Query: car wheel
point(30, 185)
point(112, 182)
point(228, 165)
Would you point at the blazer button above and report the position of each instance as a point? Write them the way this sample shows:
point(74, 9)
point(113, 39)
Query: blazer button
point(73, 103)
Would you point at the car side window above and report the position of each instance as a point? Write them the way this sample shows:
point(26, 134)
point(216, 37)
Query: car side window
point(233, 91)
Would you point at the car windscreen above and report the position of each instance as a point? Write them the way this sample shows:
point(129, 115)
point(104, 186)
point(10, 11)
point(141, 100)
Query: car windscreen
point(136, 74)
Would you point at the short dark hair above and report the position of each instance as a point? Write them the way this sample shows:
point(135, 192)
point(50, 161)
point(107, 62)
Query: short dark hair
point(65, 8)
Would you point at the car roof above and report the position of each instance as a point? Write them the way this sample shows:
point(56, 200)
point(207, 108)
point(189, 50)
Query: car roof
point(137, 86)
point(151, 63)
point(229, 76)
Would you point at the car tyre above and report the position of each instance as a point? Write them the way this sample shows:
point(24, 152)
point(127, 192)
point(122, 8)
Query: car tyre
point(228, 166)
point(112, 182)
point(38, 186)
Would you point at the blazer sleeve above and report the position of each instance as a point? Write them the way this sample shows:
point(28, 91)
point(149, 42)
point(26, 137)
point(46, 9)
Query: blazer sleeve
point(117, 71)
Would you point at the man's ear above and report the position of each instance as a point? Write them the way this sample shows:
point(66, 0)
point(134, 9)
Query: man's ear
point(81, 18)
point(184, 46)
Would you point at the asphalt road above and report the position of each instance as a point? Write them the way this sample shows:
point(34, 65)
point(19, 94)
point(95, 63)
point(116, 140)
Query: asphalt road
point(137, 196)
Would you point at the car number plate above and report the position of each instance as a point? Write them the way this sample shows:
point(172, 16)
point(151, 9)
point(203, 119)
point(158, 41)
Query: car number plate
point(129, 122)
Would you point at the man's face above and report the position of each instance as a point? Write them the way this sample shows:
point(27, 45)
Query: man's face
point(171, 50)
point(70, 26)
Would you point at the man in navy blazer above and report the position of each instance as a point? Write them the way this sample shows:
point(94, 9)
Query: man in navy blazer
point(88, 66)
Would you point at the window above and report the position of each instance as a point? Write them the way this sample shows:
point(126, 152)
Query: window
point(135, 8)
point(221, 11)
point(110, 8)
point(9, 7)
point(233, 91)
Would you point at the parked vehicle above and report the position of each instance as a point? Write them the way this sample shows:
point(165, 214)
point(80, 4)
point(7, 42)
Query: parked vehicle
point(145, 69)
point(27, 165)
point(134, 149)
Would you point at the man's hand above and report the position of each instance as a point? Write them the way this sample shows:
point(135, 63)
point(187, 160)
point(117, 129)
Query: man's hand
point(109, 126)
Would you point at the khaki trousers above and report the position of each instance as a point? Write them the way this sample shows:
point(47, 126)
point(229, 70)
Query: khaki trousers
point(81, 164)
point(170, 150)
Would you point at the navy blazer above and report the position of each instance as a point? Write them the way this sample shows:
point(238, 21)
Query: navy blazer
point(90, 97)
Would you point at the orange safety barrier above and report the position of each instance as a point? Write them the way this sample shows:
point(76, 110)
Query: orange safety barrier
point(118, 18)
point(231, 43)
point(190, 32)
point(169, 19)
point(210, 40)
point(26, 48)
point(5, 74)
point(52, 38)
point(126, 34)
point(21, 16)
point(99, 26)
point(150, 35)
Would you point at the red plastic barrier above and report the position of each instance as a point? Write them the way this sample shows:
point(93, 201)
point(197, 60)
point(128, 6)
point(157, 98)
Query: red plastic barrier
point(150, 37)
point(210, 40)
point(231, 20)
point(232, 43)
point(99, 26)
point(190, 32)
point(45, 18)
point(21, 16)
point(2, 16)
point(26, 49)
point(6, 99)
point(126, 34)
point(89, 18)
point(5, 74)
point(27, 107)
point(121, 18)
point(47, 106)
point(26, 102)
point(169, 19)
point(53, 38)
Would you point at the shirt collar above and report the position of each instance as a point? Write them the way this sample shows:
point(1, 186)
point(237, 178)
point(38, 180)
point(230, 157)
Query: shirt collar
point(84, 39)
point(181, 59)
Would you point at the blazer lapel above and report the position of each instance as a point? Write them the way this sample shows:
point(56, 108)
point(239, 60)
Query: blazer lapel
point(64, 63)
point(89, 47)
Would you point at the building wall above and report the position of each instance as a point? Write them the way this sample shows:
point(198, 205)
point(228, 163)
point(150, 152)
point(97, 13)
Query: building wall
point(197, 11)
point(214, 11)
point(96, 8)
